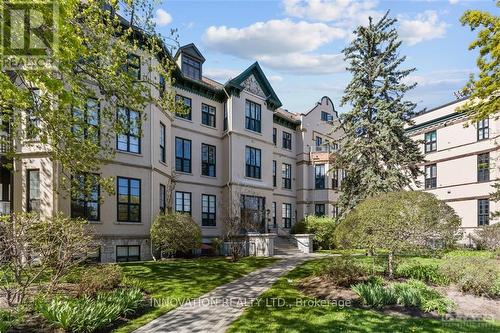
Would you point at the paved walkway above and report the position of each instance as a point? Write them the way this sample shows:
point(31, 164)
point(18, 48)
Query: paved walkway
point(216, 310)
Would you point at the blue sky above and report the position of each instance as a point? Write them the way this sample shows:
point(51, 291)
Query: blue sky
point(298, 43)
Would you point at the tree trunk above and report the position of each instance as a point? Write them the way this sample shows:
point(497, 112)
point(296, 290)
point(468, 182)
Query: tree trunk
point(390, 264)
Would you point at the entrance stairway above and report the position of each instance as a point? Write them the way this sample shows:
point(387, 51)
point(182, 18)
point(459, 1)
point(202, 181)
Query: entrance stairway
point(285, 247)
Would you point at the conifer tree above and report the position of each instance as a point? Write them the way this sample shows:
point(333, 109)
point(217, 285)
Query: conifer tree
point(375, 152)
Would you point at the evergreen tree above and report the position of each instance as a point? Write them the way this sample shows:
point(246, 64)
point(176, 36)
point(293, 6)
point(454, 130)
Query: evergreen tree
point(375, 152)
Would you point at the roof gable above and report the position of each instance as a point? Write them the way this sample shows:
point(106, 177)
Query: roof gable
point(254, 80)
point(192, 51)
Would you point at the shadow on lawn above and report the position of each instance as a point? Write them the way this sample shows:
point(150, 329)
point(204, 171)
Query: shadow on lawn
point(169, 283)
point(296, 314)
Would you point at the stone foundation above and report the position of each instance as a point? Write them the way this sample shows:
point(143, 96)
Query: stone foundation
point(109, 244)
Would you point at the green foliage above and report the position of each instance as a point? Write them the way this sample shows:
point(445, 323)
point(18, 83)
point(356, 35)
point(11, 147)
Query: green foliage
point(92, 52)
point(487, 237)
point(298, 316)
point(375, 294)
point(376, 152)
point(474, 275)
point(323, 229)
point(409, 294)
point(342, 271)
point(428, 273)
point(399, 221)
point(9, 319)
point(484, 98)
point(100, 278)
point(86, 314)
point(174, 280)
point(175, 232)
point(299, 227)
point(34, 249)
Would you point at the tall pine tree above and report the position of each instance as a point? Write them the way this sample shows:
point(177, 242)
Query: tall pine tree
point(375, 152)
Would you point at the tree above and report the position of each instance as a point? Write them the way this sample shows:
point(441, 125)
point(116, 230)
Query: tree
point(173, 233)
point(484, 91)
point(399, 221)
point(237, 222)
point(94, 60)
point(375, 152)
point(32, 249)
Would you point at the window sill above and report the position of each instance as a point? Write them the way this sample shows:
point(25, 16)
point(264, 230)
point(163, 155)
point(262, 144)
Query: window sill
point(208, 126)
point(184, 173)
point(253, 132)
point(129, 223)
point(184, 119)
point(95, 222)
point(208, 177)
point(210, 227)
point(163, 163)
point(254, 179)
point(129, 153)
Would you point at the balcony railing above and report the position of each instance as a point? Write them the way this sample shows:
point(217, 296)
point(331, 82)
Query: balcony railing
point(323, 149)
point(4, 207)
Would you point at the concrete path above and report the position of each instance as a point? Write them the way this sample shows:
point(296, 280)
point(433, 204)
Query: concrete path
point(216, 310)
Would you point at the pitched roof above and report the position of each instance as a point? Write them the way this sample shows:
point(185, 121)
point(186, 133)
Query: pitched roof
point(191, 50)
point(235, 85)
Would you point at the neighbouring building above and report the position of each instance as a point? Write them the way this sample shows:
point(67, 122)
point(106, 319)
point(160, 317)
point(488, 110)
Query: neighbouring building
point(235, 145)
point(461, 161)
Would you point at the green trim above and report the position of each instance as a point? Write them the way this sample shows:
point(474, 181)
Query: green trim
point(200, 89)
point(277, 119)
point(234, 85)
point(441, 119)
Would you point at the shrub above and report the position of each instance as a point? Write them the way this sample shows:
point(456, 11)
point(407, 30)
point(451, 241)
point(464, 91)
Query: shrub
point(86, 314)
point(383, 221)
point(474, 275)
point(375, 295)
point(412, 293)
point(323, 229)
point(173, 233)
point(424, 272)
point(487, 237)
point(342, 271)
point(7, 320)
point(299, 228)
point(100, 278)
point(34, 250)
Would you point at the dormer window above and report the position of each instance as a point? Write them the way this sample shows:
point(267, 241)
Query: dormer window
point(191, 67)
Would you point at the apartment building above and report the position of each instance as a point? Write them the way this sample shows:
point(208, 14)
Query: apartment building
point(234, 145)
point(461, 161)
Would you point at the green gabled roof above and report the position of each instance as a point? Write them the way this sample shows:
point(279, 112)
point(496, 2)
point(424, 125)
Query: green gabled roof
point(234, 85)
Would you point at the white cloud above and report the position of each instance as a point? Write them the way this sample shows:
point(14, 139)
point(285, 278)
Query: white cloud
point(220, 74)
point(344, 12)
point(454, 2)
point(305, 64)
point(279, 44)
point(275, 78)
point(162, 17)
point(441, 78)
point(272, 37)
point(425, 26)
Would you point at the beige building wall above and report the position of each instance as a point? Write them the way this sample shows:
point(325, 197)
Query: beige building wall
point(456, 159)
point(230, 182)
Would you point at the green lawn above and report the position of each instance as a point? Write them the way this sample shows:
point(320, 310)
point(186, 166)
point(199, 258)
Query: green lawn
point(172, 281)
point(290, 317)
